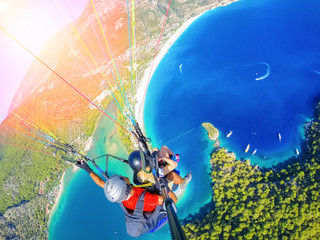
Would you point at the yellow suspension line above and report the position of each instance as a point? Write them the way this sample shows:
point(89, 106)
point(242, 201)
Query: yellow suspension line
point(24, 112)
point(82, 43)
point(92, 58)
point(39, 124)
point(104, 36)
point(134, 65)
point(114, 64)
point(30, 125)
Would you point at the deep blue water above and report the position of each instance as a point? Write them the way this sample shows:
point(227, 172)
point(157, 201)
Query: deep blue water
point(222, 54)
point(251, 67)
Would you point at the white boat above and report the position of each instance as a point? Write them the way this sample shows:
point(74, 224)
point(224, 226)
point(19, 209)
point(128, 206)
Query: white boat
point(248, 147)
point(297, 152)
point(254, 152)
point(279, 135)
point(229, 134)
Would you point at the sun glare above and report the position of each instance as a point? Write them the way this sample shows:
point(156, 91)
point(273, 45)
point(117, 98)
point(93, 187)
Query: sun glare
point(32, 24)
point(34, 30)
point(3, 6)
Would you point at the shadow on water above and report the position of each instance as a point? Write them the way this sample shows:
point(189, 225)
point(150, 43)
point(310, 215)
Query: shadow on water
point(205, 144)
point(203, 211)
point(304, 155)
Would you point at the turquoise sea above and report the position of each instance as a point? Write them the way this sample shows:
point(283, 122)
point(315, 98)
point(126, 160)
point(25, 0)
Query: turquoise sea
point(252, 67)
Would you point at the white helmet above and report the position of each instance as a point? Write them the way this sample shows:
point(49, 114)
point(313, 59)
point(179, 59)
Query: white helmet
point(116, 189)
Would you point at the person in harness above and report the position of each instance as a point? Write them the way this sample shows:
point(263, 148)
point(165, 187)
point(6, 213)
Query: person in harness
point(168, 164)
point(143, 210)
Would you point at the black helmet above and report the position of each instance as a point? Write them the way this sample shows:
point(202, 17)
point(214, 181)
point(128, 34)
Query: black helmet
point(135, 161)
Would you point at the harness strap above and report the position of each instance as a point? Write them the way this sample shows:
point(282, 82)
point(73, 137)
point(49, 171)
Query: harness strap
point(138, 211)
point(144, 185)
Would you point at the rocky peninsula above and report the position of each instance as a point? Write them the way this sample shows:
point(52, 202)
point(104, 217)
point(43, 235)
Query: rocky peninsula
point(213, 133)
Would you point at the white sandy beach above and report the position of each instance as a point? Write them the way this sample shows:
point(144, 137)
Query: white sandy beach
point(57, 198)
point(141, 90)
point(144, 81)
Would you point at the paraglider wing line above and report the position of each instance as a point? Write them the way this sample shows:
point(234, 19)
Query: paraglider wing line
point(181, 135)
point(59, 76)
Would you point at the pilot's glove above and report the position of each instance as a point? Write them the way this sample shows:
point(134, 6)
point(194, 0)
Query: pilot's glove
point(82, 164)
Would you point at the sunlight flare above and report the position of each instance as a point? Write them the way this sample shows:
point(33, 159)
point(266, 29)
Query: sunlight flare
point(3, 6)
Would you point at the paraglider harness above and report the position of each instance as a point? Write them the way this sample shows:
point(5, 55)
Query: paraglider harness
point(149, 161)
point(169, 206)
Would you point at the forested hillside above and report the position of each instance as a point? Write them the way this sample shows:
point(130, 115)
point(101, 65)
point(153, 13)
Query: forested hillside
point(254, 203)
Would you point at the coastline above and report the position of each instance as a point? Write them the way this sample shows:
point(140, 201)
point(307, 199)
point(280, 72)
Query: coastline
point(56, 202)
point(140, 95)
point(145, 80)
point(60, 185)
point(143, 83)
point(142, 87)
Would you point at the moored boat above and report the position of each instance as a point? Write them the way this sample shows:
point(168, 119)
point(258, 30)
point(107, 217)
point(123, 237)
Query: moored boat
point(248, 147)
point(230, 133)
point(254, 152)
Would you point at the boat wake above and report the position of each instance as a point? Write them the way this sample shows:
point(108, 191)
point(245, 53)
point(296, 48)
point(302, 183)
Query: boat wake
point(180, 68)
point(317, 72)
point(267, 73)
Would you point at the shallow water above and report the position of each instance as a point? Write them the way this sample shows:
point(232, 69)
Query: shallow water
point(83, 212)
point(222, 55)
